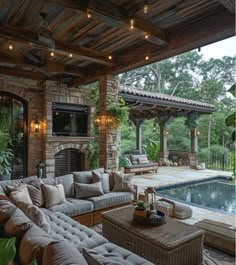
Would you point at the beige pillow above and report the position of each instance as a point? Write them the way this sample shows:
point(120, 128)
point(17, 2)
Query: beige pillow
point(36, 193)
point(53, 194)
point(123, 182)
point(88, 190)
point(19, 194)
point(35, 214)
point(104, 178)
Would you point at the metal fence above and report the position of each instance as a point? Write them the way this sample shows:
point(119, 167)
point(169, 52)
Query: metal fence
point(225, 162)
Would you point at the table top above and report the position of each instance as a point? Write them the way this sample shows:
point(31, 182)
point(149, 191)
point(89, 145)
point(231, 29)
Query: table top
point(169, 235)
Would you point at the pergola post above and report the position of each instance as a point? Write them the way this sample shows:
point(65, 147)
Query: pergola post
point(192, 123)
point(163, 138)
point(107, 136)
point(138, 125)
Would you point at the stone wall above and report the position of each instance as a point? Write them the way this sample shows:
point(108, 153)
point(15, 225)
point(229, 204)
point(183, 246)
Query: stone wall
point(39, 96)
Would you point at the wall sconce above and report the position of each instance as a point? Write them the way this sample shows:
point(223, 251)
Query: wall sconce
point(130, 126)
point(36, 124)
point(104, 120)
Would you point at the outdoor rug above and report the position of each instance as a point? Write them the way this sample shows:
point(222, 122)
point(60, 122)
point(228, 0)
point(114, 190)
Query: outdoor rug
point(211, 256)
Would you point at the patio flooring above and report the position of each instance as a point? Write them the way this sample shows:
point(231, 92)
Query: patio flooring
point(171, 175)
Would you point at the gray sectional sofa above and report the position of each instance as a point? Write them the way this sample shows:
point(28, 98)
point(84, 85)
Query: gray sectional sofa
point(86, 210)
point(65, 242)
point(53, 235)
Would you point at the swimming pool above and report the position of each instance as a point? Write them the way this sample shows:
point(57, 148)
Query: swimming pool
point(216, 194)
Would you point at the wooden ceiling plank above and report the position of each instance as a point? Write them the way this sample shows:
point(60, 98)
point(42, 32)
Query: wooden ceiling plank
point(27, 38)
point(114, 16)
point(228, 4)
point(182, 40)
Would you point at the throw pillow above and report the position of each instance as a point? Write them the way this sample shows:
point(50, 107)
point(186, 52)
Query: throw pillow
point(104, 178)
point(94, 258)
point(68, 184)
point(53, 195)
point(123, 182)
point(19, 194)
point(134, 159)
point(88, 190)
point(143, 159)
point(35, 214)
point(36, 193)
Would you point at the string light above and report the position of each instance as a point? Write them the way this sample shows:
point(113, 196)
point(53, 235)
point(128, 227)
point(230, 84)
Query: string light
point(147, 57)
point(131, 22)
point(146, 35)
point(10, 47)
point(145, 8)
point(70, 55)
point(88, 14)
point(110, 57)
point(52, 54)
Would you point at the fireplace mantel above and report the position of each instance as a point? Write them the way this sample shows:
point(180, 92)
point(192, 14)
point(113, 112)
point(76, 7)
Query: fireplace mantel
point(69, 139)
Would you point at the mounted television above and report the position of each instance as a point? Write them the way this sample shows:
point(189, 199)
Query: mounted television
point(69, 119)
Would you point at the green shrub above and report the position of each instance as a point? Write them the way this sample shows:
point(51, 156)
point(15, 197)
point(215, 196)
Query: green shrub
point(152, 150)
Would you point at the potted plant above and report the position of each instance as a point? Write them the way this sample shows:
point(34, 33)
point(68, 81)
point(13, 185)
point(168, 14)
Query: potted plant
point(140, 209)
point(180, 162)
point(122, 163)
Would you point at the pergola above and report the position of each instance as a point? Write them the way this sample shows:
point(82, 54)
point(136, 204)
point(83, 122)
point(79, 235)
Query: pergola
point(76, 42)
point(148, 105)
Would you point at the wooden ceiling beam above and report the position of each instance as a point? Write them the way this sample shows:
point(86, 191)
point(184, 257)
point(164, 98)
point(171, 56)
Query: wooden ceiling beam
point(49, 67)
point(28, 39)
point(203, 32)
point(118, 17)
point(22, 73)
point(228, 4)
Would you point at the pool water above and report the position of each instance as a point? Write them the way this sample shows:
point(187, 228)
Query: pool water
point(217, 194)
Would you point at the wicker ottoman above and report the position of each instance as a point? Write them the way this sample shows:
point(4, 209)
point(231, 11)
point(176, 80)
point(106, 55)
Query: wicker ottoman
point(173, 243)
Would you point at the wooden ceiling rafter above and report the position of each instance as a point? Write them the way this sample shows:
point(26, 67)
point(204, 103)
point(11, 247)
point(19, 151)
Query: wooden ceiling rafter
point(27, 38)
point(115, 16)
point(182, 40)
point(50, 66)
point(228, 4)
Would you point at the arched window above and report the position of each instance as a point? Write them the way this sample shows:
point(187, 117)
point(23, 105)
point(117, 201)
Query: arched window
point(13, 133)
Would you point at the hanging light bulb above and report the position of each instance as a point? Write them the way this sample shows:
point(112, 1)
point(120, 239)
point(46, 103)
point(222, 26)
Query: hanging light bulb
point(154, 126)
point(110, 57)
point(10, 47)
point(147, 57)
point(146, 35)
point(131, 23)
point(130, 126)
point(52, 54)
point(70, 55)
point(88, 14)
point(145, 8)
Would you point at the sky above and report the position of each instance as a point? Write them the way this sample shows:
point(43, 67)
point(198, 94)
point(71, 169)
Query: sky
point(219, 49)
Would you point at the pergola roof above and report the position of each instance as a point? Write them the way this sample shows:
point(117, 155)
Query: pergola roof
point(148, 105)
point(172, 27)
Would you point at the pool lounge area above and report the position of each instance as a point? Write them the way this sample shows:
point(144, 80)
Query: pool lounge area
point(170, 176)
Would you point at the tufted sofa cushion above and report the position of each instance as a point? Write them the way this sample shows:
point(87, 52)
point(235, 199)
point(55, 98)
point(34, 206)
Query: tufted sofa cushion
point(120, 255)
point(33, 244)
point(111, 199)
point(72, 207)
point(7, 209)
point(62, 253)
point(65, 228)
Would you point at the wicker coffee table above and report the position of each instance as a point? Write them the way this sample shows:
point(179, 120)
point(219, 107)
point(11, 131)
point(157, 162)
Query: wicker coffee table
point(173, 243)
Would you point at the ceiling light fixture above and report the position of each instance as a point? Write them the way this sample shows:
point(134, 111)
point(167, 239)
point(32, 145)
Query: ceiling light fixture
point(110, 57)
point(70, 55)
point(10, 47)
point(131, 23)
point(145, 8)
point(147, 57)
point(88, 14)
point(146, 35)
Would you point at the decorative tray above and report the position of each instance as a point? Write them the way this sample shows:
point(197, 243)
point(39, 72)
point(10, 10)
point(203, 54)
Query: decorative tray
point(157, 218)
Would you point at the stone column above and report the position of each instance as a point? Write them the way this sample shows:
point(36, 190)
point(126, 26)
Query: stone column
point(107, 137)
point(163, 138)
point(138, 125)
point(192, 123)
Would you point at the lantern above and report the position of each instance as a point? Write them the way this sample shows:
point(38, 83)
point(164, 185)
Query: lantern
point(41, 169)
point(150, 197)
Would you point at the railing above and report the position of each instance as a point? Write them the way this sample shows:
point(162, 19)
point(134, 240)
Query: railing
point(225, 162)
